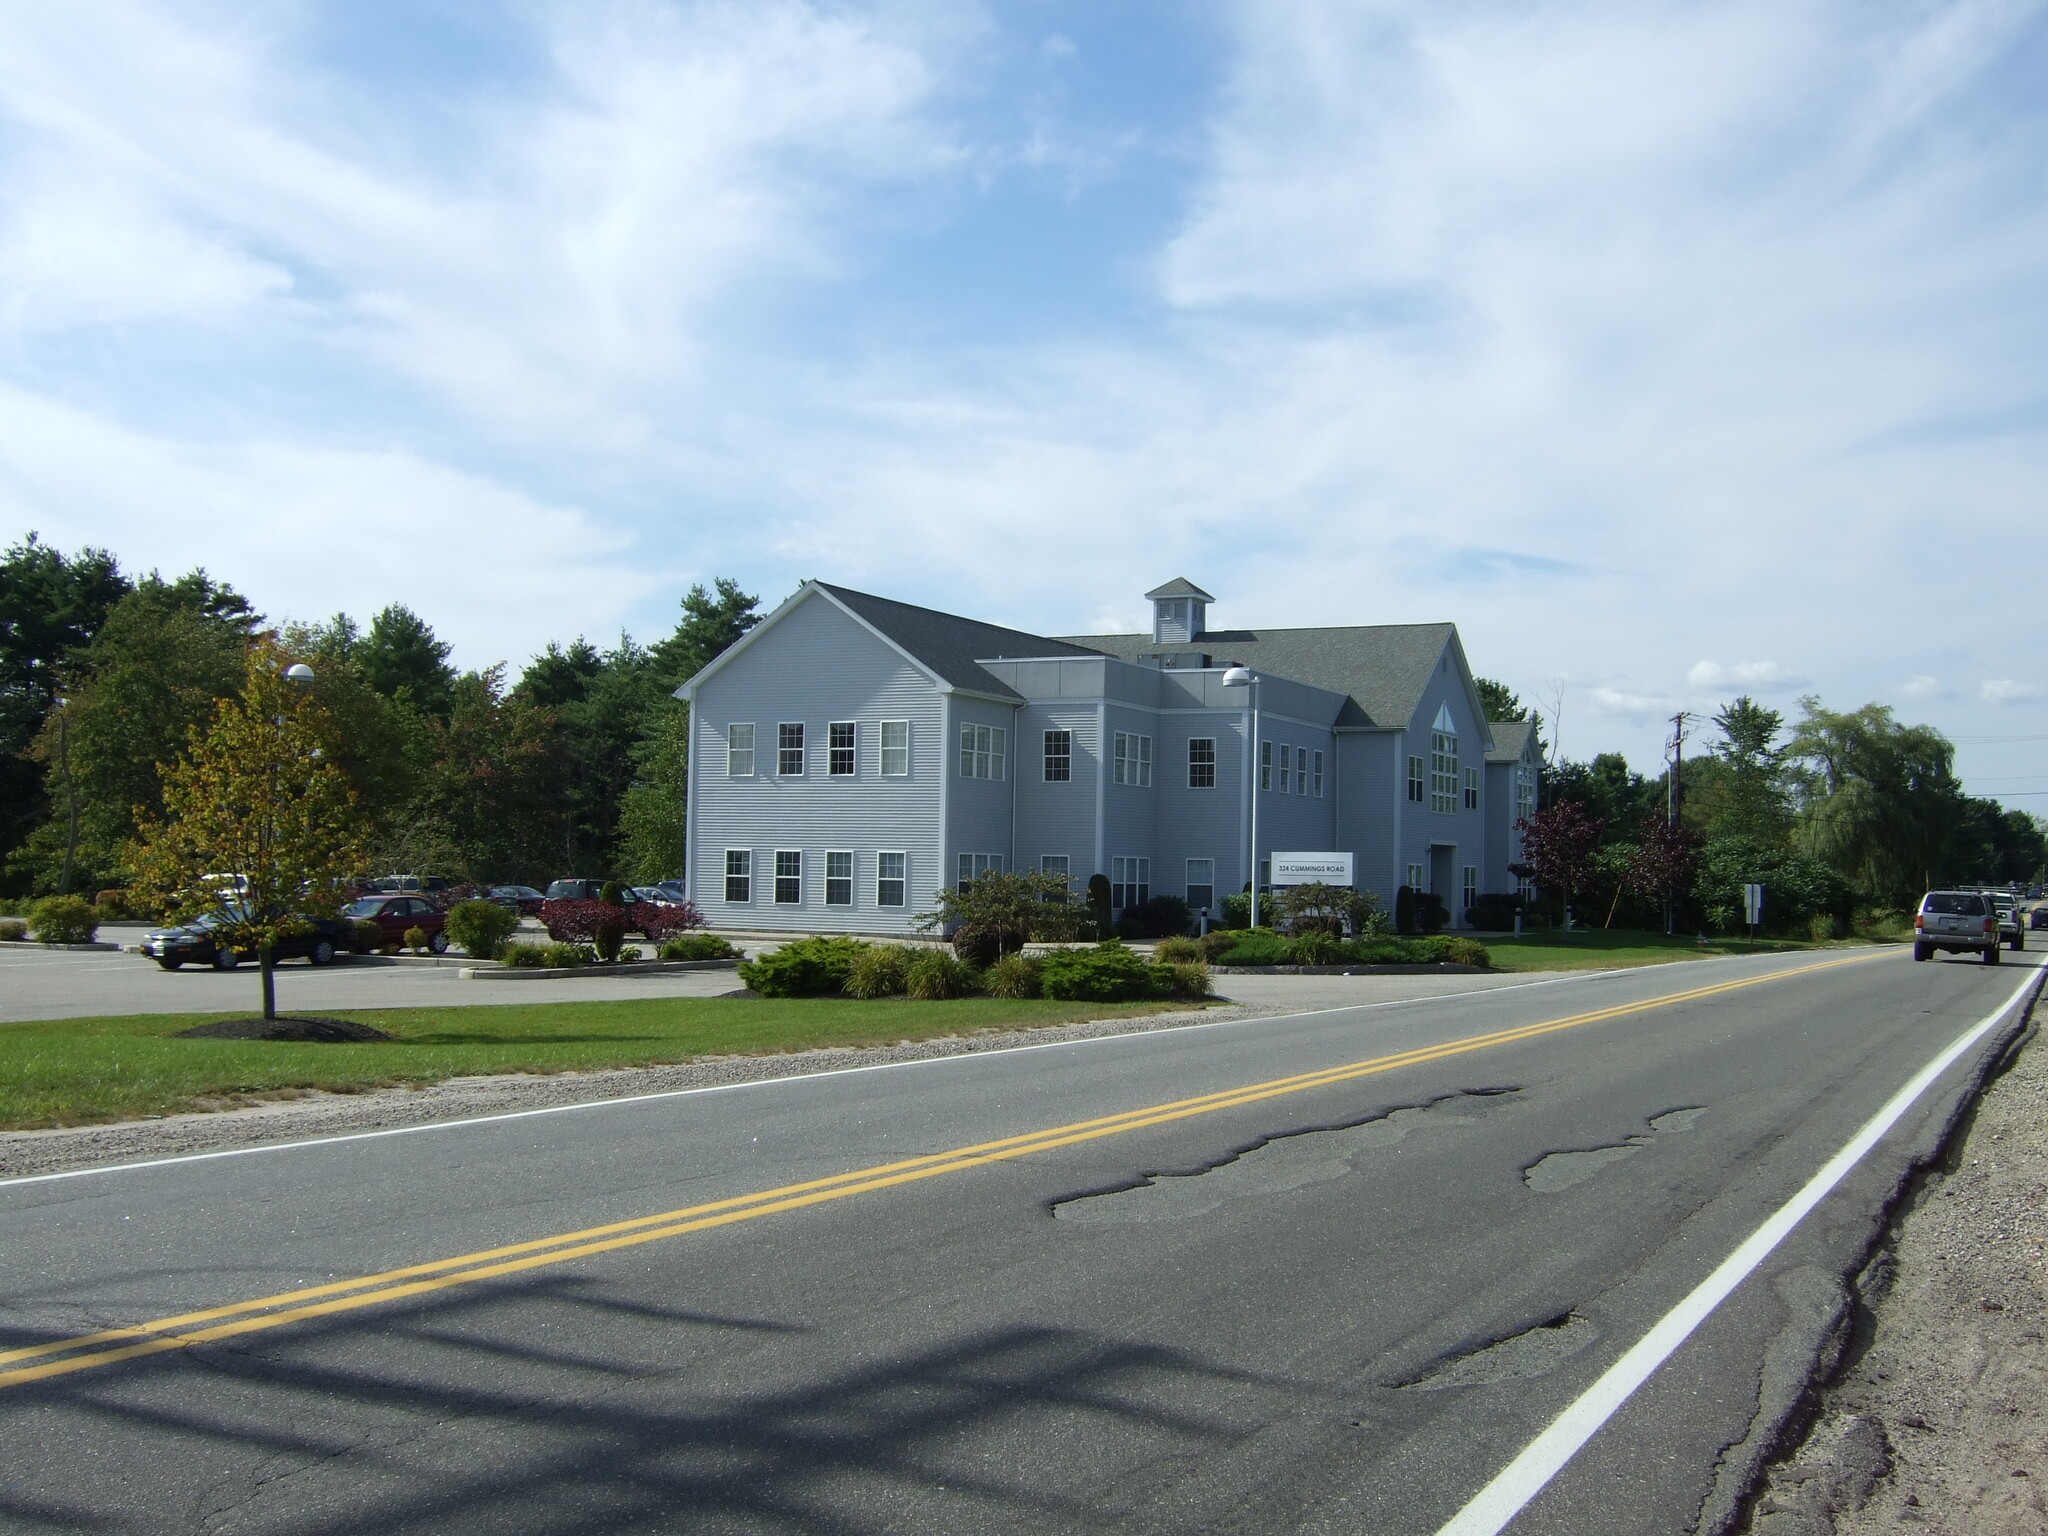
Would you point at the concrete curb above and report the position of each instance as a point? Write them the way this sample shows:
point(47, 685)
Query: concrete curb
point(35, 944)
point(625, 968)
point(1443, 968)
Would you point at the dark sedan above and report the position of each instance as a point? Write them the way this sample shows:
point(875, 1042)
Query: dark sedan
point(198, 943)
point(395, 915)
point(523, 899)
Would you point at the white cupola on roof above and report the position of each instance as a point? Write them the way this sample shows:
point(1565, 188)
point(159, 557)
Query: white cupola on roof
point(1180, 612)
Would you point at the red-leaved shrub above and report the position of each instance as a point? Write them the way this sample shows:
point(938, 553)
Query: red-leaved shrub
point(659, 922)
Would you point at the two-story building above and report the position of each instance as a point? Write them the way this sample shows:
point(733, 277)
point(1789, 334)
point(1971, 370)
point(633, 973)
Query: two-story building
point(851, 754)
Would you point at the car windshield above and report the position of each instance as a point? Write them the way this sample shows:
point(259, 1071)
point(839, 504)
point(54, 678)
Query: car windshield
point(367, 907)
point(1955, 903)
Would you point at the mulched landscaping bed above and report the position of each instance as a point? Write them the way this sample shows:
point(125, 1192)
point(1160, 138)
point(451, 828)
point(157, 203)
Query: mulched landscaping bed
point(309, 1029)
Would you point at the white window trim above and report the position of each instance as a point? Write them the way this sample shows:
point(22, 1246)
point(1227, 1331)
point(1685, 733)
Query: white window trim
point(776, 874)
point(802, 752)
point(852, 875)
point(830, 771)
point(748, 899)
point(897, 853)
point(752, 748)
point(1214, 764)
point(1319, 774)
point(882, 750)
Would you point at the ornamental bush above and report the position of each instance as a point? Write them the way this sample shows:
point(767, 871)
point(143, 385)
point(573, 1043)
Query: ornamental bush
point(1186, 978)
point(1494, 910)
point(12, 930)
point(1176, 951)
point(803, 968)
point(63, 920)
point(1013, 976)
point(659, 921)
point(1110, 972)
point(982, 945)
point(596, 923)
point(935, 976)
point(877, 971)
point(524, 956)
point(697, 946)
point(562, 956)
point(1255, 946)
point(416, 939)
point(1317, 945)
point(481, 927)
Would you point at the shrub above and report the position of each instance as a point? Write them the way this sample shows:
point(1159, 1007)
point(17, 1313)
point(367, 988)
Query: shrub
point(1186, 978)
point(1179, 950)
point(1494, 910)
point(611, 894)
point(1404, 910)
point(113, 906)
point(1099, 893)
point(1430, 912)
point(63, 920)
point(481, 927)
point(525, 956)
point(1163, 916)
point(1318, 946)
point(935, 976)
point(564, 955)
point(1332, 908)
point(12, 930)
point(697, 946)
point(1110, 972)
point(658, 921)
point(982, 945)
point(628, 952)
point(803, 968)
point(1013, 976)
point(1217, 940)
point(1129, 926)
point(1456, 950)
point(1256, 946)
point(416, 940)
point(1000, 912)
point(1237, 910)
point(369, 938)
point(877, 971)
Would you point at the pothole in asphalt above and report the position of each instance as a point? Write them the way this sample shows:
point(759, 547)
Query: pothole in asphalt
point(1561, 1170)
point(1529, 1353)
point(1279, 1163)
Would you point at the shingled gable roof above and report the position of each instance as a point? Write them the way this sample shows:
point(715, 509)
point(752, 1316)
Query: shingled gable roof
point(1384, 668)
point(1509, 738)
point(1180, 586)
point(948, 645)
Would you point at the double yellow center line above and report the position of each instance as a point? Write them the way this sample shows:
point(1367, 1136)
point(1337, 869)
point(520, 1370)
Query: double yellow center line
point(86, 1351)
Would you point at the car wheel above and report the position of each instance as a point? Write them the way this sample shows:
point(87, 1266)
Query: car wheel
point(438, 943)
point(1991, 955)
point(322, 953)
point(225, 959)
point(170, 965)
point(1923, 951)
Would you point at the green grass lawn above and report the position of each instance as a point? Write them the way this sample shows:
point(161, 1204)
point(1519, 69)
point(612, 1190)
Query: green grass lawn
point(79, 1071)
point(1598, 949)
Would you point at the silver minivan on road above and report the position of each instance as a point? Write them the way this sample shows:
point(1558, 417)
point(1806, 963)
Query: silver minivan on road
point(1957, 922)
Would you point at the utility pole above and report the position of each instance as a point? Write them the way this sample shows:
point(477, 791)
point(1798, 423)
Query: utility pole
point(1674, 803)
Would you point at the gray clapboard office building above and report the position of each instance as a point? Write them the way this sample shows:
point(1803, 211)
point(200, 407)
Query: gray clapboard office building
point(851, 754)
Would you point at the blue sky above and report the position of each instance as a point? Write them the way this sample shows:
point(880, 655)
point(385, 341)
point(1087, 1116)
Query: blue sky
point(1671, 350)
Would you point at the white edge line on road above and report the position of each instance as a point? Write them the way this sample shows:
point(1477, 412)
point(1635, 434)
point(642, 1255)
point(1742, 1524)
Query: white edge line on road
point(794, 1077)
point(1501, 1500)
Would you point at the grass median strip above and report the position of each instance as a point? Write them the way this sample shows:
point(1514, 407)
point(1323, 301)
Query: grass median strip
point(85, 1071)
point(109, 1346)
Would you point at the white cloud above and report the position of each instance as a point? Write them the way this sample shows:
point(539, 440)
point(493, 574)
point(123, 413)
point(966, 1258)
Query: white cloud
point(1922, 686)
point(1763, 675)
point(1639, 706)
point(2004, 690)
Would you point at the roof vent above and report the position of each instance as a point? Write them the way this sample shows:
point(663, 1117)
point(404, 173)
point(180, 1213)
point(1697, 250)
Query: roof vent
point(1180, 612)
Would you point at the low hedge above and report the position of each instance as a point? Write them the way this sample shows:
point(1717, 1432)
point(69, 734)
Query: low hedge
point(1262, 946)
point(63, 920)
point(803, 968)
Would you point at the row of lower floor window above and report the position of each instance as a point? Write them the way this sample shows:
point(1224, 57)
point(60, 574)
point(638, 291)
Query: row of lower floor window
point(891, 877)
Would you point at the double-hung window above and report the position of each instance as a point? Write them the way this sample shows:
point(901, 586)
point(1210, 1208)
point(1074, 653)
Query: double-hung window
point(1469, 890)
point(973, 866)
point(739, 874)
point(1130, 883)
point(1443, 772)
point(789, 877)
point(838, 879)
point(739, 751)
point(895, 738)
point(982, 750)
point(1415, 771)
point(1319, 776)
point(1525, 791)
point(789, 751)
point(1054, 864)
point(1201, 884)
point(1265, 765)
point(1416, 879)
point(1201, 762)
point(839, 748)
point(1059, 756)
point(1286, 757)
point(1471, 789)
point(892, 877)
point(1132, 760)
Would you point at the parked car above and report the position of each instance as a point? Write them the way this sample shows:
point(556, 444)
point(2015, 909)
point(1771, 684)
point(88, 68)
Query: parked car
point(523, 899)
point(2038, 918)
point(1956, 922)
point(588, 890)
point(199, 943)
point(660, 895)
point(675, 890)
point(393, 915)
point(2010, 928)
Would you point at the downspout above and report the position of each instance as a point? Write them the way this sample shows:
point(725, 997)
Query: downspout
point(1016, 773)
point(691, 863)
point(1101, 780)
point(1400, 806)
point(944, 758)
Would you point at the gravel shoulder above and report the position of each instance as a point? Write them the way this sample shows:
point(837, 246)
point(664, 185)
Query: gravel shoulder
point(1937, 1418)
point(303, 1114)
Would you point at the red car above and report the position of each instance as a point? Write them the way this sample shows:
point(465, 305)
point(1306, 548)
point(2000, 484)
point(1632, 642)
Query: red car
point(393, 915)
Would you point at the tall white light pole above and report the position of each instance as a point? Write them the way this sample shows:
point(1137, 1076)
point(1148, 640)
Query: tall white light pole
point(1244, 677)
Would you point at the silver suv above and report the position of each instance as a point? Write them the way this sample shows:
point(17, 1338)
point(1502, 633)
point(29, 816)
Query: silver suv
point(2010, 927)
point(1958, 922)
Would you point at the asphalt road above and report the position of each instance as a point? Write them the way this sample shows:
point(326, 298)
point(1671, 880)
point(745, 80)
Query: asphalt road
point(1268, 1309)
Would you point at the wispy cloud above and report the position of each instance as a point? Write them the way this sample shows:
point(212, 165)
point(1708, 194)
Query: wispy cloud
point(2004, 690)
point(1921, 686)
point(1765, 676)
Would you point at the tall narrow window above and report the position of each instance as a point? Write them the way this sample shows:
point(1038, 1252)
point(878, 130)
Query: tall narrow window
point(1415, 769)
point(789, 876)
point(982, 751)
point(739, 874)
point(1201, 884)
point(1525, 791)
point(1416, 880)
point(1468, 888)
point(1132, 760)
point(1054, 864)
point(1471, 789)
point(739, 751)
point(838, 879)
point(1059, 756)
point(839, 753)
point(895, 749)
point(974, 865)
point(1265, 765)
point(789, 751)
point(1285, 759)
point(1130, 883)
point(1443, 772)
point(1201, 762)
point(892, 875)
point(1319, 776)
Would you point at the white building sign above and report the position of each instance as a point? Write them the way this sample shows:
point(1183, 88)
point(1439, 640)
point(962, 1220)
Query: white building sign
point(1309, 868)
